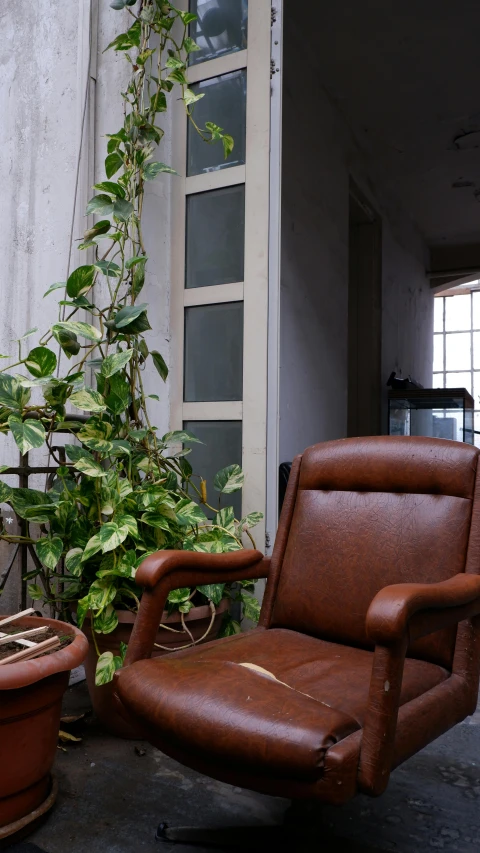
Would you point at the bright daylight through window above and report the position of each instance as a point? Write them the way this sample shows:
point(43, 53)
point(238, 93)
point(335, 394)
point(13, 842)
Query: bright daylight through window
point(456, 345)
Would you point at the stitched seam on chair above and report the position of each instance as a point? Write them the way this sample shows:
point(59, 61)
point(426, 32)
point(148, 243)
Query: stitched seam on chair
point(366, 491)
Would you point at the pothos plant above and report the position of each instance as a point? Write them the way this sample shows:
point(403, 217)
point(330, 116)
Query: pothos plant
point(120, 491)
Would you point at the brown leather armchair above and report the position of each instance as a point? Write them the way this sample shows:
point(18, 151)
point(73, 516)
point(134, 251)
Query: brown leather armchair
point(369, 630)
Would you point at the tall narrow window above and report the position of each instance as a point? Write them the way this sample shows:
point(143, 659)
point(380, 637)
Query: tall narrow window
point(219, 301)
point(456, 345)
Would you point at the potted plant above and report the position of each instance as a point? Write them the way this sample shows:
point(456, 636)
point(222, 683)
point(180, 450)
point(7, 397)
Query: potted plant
point(31, 694)
point(120, 490)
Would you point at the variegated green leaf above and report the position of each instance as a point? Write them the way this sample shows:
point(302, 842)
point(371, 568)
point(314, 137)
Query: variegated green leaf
point(92, 547)
point(27, 434)
point(101, 593)
point(107, 664)
point(189, 513)
point(73, 561)
point(89, 467)
point(85, 330)
point(178, 596)
point(89, 400)
point(112, 535)
point(49, 550)
point(113, 363)
point(5, 492)
point(229, 479)
point(41, 362)
point(213, 591)
point(106, 621)
point(250, 520)
point(226, 518)
point(128, 521)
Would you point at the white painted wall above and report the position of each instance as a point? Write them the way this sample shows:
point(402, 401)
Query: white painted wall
point(39, 102)
point(44, 57)
point(319, 155)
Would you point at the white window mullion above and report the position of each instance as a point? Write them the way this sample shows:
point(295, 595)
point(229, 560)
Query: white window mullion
point(253, 290)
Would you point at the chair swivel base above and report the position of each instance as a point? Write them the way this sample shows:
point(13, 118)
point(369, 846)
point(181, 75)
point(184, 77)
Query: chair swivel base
point(299, 838)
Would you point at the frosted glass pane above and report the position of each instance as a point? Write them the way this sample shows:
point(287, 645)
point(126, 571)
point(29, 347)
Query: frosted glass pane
point(225, 104)
point(215, 237)
point(214, 352)
point(457, 312)
point(458, 351)
point(438, 352)
point(221, 27)
point(476, 310)
point(438, 380)
point(438, 314)
point(459, 380)
point(222, 446)
point(476, 350)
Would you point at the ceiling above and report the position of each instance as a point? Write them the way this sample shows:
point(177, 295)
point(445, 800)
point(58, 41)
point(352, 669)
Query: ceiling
point(406, 76)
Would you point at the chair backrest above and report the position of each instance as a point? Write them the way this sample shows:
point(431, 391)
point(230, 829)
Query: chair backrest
point(364, 513)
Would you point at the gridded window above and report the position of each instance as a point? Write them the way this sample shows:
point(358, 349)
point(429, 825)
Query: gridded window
point(222, 446)
point(456, 346)
point(225, 104)
point(219, 296)
point(215, 237)
point(220, 28)
point(213, 356)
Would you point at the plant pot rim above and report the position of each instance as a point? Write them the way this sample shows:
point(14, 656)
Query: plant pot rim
point(125, 617)
point(201, 612)
point(16, 675)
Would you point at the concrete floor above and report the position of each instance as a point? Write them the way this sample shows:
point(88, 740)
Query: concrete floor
point(111, 800)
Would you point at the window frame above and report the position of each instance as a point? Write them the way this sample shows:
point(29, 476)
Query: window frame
point(474, 373)
point(253, 290)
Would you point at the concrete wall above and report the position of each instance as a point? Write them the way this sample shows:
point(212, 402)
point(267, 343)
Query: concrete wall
point(39, 104)
point(46, 72)
point(319, 156)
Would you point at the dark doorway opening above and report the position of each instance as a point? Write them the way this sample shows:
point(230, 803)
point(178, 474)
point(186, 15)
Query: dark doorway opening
point(364, 317)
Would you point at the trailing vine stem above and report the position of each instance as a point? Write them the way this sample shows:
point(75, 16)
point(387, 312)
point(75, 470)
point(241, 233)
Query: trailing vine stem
point(120, 492)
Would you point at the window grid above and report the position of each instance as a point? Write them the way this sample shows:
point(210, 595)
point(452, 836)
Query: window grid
point(252, 291)
point(474, 374)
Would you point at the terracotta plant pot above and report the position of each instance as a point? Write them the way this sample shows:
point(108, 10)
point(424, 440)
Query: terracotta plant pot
point(198, 621)
point(30, 707)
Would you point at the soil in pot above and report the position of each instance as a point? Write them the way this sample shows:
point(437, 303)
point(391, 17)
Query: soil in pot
point(30, 706)
point(9, 649)
point(198, 621)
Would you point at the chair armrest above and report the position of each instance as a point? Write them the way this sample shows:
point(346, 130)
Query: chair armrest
point(417, 609)
point(398, 615)
point(167, 570)
point(189, 568)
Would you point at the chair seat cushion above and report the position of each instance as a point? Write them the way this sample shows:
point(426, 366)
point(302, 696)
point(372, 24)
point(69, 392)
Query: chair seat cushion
point(313, 694)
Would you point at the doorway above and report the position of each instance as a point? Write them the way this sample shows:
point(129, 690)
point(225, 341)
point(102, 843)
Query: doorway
point(364, 317)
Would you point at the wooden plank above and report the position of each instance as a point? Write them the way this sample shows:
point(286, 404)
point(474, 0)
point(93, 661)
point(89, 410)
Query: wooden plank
point(15, 638)
point(28, 654)
point(14, 618)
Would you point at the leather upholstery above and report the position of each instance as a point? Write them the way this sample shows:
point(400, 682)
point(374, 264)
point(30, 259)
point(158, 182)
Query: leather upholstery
point(386, 517)
point(319, 698)
point(376, 561)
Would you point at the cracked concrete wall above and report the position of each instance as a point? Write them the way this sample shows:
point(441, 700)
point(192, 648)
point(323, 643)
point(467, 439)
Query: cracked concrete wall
point(44, 73)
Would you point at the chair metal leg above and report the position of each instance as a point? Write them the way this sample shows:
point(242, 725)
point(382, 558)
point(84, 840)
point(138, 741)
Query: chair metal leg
point(291, 838)
point(249, 838)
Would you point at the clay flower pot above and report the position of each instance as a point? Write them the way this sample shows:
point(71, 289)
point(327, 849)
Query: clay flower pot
point(30, 707)
point(103, 703)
